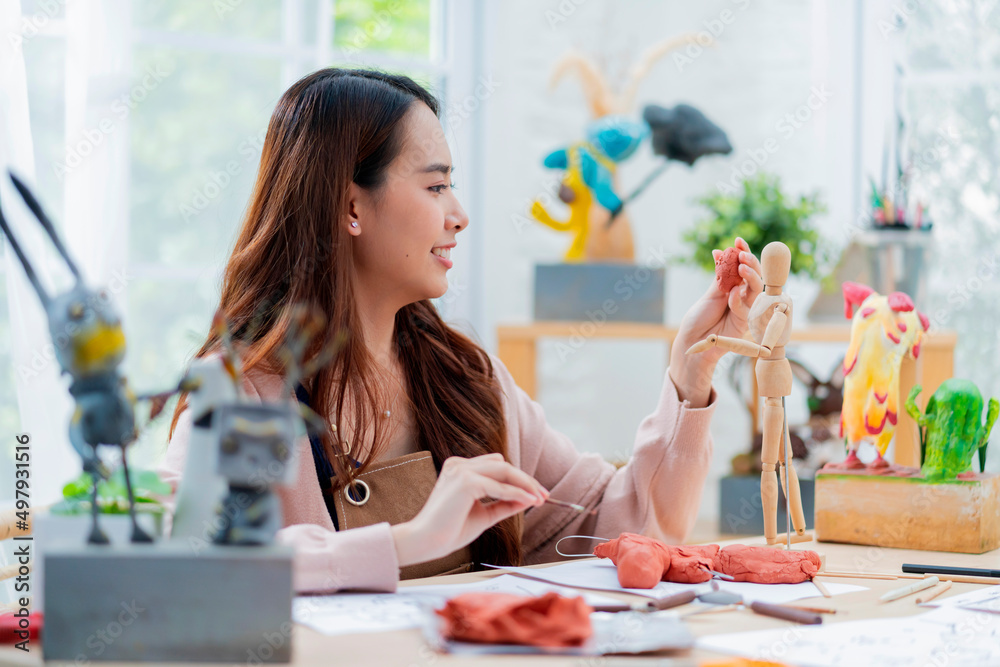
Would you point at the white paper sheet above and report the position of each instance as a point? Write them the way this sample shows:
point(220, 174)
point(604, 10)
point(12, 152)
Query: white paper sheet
point(984, 599)
point(505, 583)
point(602, 575)
point(353, 613)
point(945, 636)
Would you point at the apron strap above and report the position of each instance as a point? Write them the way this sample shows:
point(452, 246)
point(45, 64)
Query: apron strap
point(324, 469)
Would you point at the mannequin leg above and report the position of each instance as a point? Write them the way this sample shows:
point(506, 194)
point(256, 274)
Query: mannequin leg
point(794, 493)
point(773, 418)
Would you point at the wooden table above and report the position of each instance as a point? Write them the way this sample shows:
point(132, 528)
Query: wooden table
point(518, 349)
point(406, 647)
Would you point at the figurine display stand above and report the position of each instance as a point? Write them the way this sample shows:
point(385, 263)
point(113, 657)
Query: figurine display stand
point(935, 507)
point(905, 511)
point(169, 604)
point(219, 590)
point(770, 321)
point(929, 498)
point(576, 292)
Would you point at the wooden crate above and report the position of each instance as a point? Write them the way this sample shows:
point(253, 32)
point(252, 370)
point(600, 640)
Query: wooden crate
point(909, 512)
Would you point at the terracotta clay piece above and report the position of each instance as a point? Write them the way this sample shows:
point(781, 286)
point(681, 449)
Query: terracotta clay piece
point(502, 618)
point(644, 561)
point(766, 565)
point(727, 269)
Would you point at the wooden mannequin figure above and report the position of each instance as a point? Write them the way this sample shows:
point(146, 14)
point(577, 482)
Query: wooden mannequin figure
point(770, 320)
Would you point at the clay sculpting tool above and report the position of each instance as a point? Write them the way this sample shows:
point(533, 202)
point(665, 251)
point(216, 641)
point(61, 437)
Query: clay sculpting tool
point(934, 592)
point(921, 585)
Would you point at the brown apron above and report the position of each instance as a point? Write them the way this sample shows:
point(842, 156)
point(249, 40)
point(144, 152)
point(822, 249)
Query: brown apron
point(395, 491)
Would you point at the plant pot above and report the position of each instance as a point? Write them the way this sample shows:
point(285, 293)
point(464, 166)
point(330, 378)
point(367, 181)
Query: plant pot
point(897, 260)
point(52, 530)
point(740, 510)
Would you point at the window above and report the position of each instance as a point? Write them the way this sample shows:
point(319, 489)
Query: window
point(186, 88)
point(951, 87)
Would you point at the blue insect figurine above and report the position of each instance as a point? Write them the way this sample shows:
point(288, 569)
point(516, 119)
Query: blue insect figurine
point(610, 140)
point(89, 345)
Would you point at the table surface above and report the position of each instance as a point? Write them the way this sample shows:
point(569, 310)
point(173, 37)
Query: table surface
point(407, 647)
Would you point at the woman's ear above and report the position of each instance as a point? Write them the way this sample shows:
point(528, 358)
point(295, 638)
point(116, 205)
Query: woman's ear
point(356, 205)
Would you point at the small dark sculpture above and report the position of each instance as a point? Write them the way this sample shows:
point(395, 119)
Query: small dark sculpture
point(681, 134)
point(684, 134)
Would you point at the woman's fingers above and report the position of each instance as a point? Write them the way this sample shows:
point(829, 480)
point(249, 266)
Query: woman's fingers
point(494, 513)
point(478, 485)
point(496, 467)
point(752, 277)
point(749, 259)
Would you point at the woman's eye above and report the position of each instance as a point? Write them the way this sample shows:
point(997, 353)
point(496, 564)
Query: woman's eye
point(438, 189)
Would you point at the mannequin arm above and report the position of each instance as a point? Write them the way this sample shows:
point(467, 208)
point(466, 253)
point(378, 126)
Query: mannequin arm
point(775, 327)
point(738, 345)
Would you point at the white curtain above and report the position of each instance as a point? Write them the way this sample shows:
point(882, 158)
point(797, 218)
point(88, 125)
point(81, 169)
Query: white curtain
point(43, 403)
point(94, 219)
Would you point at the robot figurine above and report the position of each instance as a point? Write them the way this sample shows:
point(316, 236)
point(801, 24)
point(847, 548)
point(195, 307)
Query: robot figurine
point(90, 346)
point(770, 320)
point(255, 452)
point(249, 446)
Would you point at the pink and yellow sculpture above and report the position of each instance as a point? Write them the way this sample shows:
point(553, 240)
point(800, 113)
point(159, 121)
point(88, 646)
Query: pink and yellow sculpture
point(884, 330)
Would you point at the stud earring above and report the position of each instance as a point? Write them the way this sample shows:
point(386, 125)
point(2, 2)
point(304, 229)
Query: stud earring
point(354, 224)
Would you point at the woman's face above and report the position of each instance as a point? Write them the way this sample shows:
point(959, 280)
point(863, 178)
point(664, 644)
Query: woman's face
point(405, 231)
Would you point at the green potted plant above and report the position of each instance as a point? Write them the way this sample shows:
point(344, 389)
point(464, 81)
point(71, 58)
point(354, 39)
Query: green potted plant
point(68, 520)
point(112, 494)
point(760, 214)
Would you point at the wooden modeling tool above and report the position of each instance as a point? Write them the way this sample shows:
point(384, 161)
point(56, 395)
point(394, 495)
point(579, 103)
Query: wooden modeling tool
point(857, 575)
point(921, 585)
point(815, 610)
point(822, 589)
point(934, 592)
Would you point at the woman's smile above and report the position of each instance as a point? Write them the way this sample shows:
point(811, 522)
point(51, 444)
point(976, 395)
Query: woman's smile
point(443, 254)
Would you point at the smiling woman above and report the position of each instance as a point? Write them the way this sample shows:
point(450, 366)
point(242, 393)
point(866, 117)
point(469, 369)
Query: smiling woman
point(434, 459)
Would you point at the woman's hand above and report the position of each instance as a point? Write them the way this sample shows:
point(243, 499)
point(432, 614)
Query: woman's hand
point(716, 312)
point(454, 514)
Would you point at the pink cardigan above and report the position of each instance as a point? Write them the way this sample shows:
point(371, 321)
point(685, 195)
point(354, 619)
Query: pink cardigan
point(656, 493)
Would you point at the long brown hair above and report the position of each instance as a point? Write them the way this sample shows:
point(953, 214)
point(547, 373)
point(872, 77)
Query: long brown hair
point(330, 128)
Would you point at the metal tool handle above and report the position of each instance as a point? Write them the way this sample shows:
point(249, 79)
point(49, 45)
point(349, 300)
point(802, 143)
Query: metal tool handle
point(786, 613)
point(675, 600)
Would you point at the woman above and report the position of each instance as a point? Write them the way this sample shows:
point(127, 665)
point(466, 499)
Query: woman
point(434, 458)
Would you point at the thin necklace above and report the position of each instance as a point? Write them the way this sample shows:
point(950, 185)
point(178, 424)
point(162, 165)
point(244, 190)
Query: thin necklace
point(399, 386)
point(345, 446)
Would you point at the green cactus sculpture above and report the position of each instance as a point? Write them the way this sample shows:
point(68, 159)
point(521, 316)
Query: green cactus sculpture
point(950, 428)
